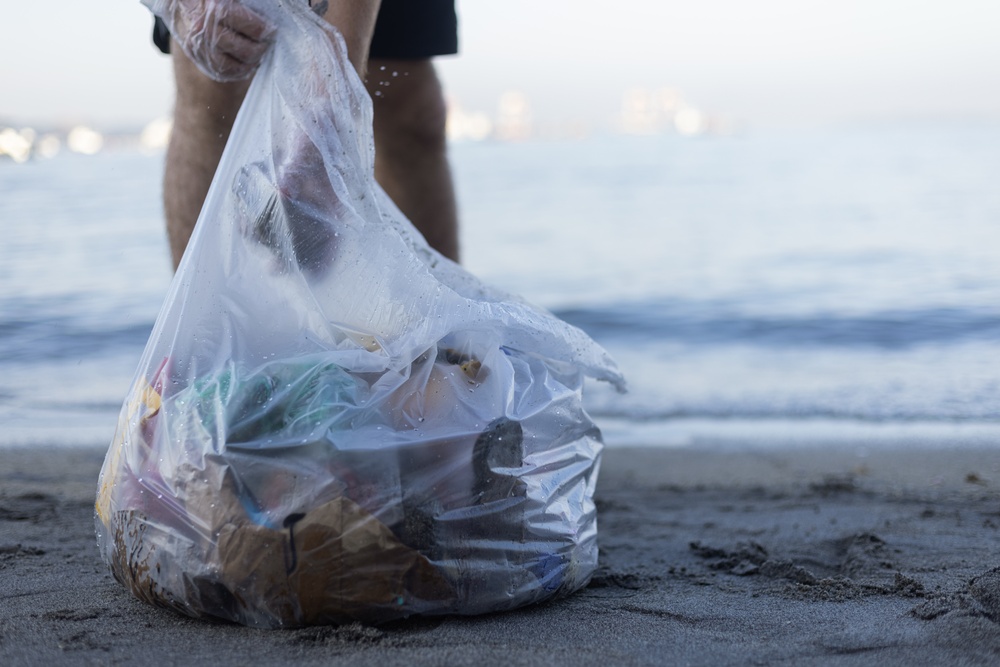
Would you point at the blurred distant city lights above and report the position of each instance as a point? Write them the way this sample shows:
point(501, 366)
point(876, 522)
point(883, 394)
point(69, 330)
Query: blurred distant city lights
point(513, 117)
point(82, 139)
point(16, 145)
point(156, 134)
point(643, 112)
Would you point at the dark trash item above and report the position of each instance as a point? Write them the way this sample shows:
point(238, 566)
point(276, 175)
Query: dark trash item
point(331, 421)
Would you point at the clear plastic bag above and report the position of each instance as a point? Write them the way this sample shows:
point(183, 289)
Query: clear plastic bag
point(226, 39)
point(331, 421)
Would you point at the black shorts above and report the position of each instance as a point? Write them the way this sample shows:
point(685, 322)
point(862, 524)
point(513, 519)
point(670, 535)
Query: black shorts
point(404, 29)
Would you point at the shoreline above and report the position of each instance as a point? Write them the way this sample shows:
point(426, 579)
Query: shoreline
point(708, 556)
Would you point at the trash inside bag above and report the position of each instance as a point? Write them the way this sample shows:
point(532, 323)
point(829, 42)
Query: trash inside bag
point(331, 421)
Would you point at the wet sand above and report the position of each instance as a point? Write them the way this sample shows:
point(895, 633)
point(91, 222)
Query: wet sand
point(708, 557)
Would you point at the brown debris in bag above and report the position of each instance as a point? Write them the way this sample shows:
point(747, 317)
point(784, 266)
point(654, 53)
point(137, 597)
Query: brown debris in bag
point(333, 564)
point(470, 366)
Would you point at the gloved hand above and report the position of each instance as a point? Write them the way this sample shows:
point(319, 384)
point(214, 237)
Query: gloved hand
point(224, 38)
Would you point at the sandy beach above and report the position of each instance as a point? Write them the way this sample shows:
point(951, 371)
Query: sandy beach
point(708, 557)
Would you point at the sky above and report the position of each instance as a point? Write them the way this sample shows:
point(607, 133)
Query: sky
point(766, 62)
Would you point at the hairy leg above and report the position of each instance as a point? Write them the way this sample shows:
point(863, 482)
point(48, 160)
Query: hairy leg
point(203, 118)
point(411, 158)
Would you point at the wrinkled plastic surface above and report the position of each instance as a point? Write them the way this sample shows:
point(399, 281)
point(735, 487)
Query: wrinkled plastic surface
point(226, 39)
point(331, 421)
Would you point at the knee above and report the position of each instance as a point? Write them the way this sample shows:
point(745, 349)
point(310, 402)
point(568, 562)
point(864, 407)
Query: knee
point(410, 112)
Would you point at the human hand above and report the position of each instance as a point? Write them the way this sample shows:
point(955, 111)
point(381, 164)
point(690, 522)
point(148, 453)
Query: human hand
point(224, 38)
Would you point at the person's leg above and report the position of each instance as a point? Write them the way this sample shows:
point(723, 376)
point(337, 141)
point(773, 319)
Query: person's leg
point(203, 118)
point(411, 158)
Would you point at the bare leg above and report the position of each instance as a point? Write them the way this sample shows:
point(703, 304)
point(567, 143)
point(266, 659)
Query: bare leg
point(411, 159)
point(203, 117)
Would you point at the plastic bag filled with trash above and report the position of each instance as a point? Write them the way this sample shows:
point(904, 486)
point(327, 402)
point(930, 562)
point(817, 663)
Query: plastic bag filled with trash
point(331, 421)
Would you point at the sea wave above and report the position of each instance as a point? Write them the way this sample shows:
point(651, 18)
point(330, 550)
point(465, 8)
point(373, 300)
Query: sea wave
point(707, 323)
point(56, 337)
point(802, 412)
point(46, 334)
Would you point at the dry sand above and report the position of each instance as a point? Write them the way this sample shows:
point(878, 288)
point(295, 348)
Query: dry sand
point(708, 557)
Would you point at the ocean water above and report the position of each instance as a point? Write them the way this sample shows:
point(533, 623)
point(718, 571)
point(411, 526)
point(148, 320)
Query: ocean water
point(804, 287)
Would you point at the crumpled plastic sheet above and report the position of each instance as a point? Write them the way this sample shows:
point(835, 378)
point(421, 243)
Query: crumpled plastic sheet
point(226, 39)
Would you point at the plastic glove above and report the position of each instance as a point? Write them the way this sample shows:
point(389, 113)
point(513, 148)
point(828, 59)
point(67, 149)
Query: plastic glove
point(224, 38)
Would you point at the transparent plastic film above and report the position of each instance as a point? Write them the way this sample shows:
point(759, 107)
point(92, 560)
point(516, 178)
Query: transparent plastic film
point(331, 421)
